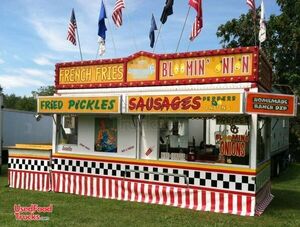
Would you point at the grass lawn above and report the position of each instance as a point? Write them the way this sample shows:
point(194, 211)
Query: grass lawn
point(74, 210)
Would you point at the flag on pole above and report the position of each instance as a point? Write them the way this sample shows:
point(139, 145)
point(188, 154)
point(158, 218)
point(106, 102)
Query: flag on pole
point(262, 24)
point(117, 13)
point(102, 29)
point(198, 23)
point(167, 11)
point(251, 4)
point(72, 29)
point(151, 33)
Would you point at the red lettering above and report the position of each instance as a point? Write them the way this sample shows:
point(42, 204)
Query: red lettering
point(227, 65)
point(189, 68)
point(243, 150)
point(157, 104)
point(132, 105)
point(140, 104)
point(185, 103)
point(149, 103)
point(175, 104)
point(245, 64)
point(201, 67)
point(196, 103)
point(164, 69)
point(165, 104)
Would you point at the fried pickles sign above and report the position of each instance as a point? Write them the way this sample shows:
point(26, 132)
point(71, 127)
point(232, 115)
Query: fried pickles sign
point(79, 104)
point(192, 103)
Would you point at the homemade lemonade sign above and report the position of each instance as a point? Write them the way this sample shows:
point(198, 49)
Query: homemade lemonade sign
point(205, 67)
point(141, 69)
point(79, 104)
point(144, 69)
point(192, 103)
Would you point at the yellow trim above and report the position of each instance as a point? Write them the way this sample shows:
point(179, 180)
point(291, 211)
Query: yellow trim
point(263, 166)
point(31, 147)
point(27, 156)
point(158, 162)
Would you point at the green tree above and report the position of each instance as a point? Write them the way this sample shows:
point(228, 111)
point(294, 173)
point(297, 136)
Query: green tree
point(26, 103)
point(282, 44)
point(44, 91)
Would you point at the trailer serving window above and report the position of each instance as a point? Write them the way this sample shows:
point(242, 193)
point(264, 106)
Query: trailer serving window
point(68, 129)
point(217, 140)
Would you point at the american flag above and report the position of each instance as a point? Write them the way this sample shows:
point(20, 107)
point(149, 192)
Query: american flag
point(251, 4)
point(198, 23)
point(117, 13)
point(72, 28)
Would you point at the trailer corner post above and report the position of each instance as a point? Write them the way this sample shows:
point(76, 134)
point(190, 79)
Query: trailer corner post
point(253, 141)
point(138, 137)
point(54, 134)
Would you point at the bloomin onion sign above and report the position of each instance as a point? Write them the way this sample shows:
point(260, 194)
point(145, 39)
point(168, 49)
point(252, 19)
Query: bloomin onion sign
point(206, 67)
point(191, 103)
point(271, 104)
point(79, 104)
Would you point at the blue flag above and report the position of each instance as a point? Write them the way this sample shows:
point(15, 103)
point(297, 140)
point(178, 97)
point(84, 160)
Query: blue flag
point(101, 23)
point(151, 33)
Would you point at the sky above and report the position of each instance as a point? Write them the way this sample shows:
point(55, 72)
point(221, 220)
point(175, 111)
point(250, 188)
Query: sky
point(33, 34)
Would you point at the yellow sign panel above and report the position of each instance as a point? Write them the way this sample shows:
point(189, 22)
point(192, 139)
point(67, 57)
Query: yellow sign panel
point(141, 69)
point(79, 104)
point(190, 103)
point(205, 67)
point(107, 73)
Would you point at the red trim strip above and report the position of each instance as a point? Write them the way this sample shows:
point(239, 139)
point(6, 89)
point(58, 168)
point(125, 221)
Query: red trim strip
point(29, 171)
point(159, 183)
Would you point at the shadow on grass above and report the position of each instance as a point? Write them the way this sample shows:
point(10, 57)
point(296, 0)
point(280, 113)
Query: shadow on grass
point(290, 174)
point(285, 199)
point(3, 171)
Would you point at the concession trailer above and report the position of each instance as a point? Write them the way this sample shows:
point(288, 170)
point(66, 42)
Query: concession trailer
point(191, 130)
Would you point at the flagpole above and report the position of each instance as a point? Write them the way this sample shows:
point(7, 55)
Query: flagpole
point(97, 50)
point(254, 18)
point(157, 37)
point(79, 43)
point(112, 38)
point(188, 12)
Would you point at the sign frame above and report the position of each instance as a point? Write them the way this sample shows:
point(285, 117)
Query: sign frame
point(236, 78)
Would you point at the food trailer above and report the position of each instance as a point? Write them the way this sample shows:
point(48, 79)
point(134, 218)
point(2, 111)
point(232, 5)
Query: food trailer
point(189, 130)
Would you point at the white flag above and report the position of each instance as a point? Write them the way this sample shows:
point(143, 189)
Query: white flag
point(101, 42)
point(262, 24)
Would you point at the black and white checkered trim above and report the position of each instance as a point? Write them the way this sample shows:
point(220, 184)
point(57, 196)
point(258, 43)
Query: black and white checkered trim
point(28, 164)
point(199, 178)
